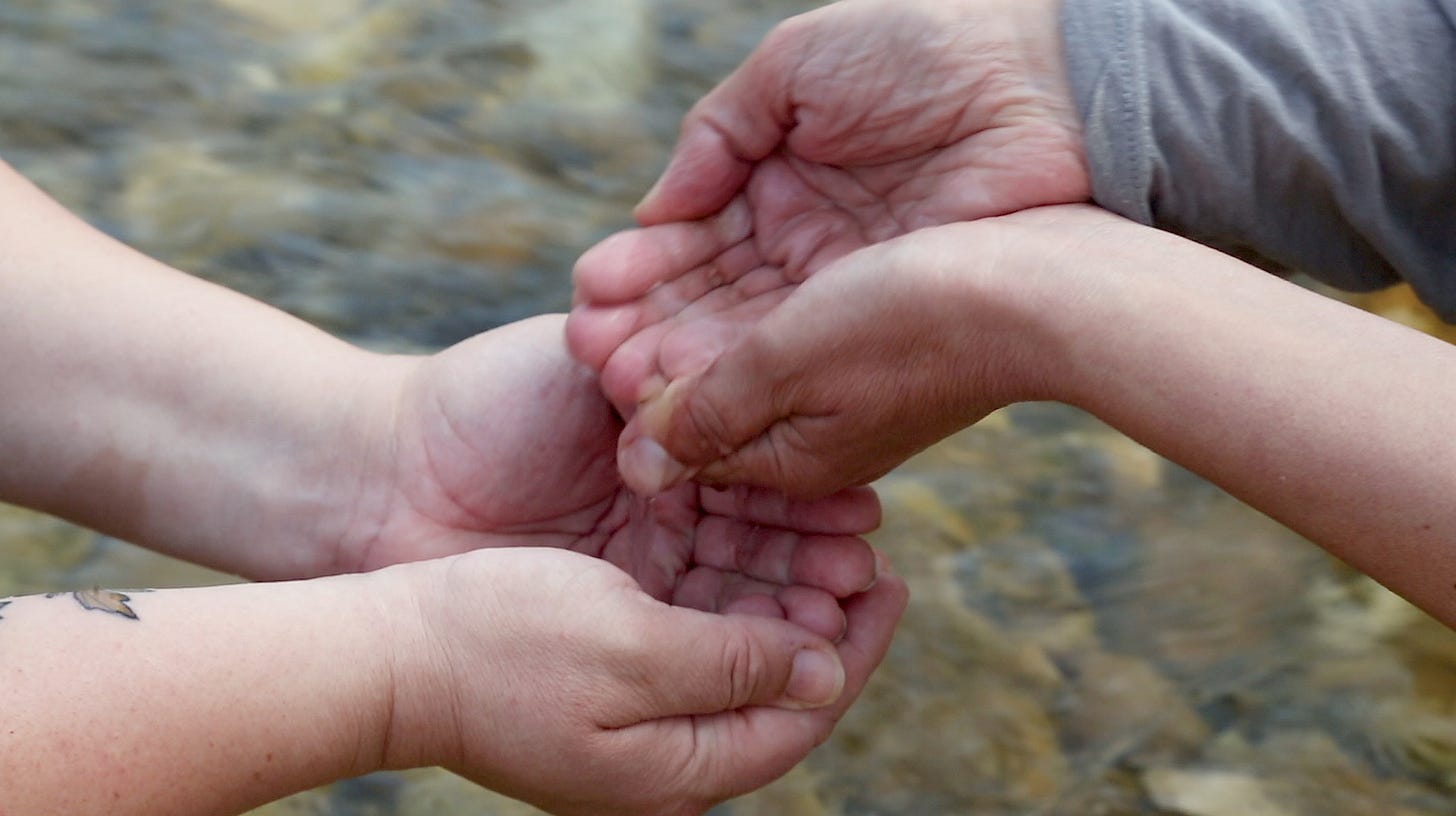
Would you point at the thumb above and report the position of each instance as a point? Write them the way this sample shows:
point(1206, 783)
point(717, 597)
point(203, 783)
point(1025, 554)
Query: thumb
point(738, 123)
point(700, 418)
point(706, 663)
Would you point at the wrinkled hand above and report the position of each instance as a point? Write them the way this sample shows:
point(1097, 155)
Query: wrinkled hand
point(552, 677)
point(811, 387)
point(848, 126)
point(503, 440)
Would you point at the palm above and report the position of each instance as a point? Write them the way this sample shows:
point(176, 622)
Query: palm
point(870, 118)
point(805, 213)
point(504, 441)
point(848, 126)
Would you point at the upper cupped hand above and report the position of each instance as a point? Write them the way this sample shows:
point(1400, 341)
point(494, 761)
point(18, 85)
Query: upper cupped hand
point(849, 125)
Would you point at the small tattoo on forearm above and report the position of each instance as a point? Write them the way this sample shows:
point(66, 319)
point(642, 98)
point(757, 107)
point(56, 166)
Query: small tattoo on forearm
point(3, 604)
point(104, 600)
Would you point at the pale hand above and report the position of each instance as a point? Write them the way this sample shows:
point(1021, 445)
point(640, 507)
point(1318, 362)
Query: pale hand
point(503, 440)
point(553, 678)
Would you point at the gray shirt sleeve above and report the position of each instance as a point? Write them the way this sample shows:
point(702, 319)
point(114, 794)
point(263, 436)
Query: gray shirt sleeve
point(1319, 135)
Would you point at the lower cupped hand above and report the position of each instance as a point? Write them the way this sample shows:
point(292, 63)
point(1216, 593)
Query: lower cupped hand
point(504, 441)
point(552, 677)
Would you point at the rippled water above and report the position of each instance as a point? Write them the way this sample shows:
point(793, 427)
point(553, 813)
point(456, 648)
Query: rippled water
point(1093, 630)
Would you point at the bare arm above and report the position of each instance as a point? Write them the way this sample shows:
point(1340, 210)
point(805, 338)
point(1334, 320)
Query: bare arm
point(547, 675)
point(1331, 420)
point(154, 406)
point(157, 407)
point(197, 701)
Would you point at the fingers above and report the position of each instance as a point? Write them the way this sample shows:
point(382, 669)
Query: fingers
point(784, 456)
point(756, 745)
point(625, 266)
point(707, 664)
point(637, 279)
point(736, 124)
point(813, 609)
point(712, 590)
point(698, 419)
point(792, 398)
point(692, 339)
point(701, 663)
point(872, 618)
point(839, 565)
point(655, 368)
point(638, 370)
point(854, 511)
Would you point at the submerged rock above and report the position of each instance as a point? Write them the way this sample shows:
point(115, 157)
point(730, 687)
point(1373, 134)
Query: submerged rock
point(1211, 793)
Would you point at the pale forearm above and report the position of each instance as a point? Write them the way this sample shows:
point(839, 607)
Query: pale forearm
point(209, 701)
point(160, 408)
point(1331, 420)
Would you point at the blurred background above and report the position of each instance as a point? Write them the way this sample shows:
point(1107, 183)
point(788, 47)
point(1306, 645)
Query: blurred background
point(1093, 630)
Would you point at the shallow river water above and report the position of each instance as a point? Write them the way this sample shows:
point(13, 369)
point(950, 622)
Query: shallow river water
point(1093, 630)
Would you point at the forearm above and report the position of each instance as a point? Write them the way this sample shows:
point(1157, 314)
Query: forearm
point(1333, 421)
point(209, 701)
point(160, 408)
point(1318, 135)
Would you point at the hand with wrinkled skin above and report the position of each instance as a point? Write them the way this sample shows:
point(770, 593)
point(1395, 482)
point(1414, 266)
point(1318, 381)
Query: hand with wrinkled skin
point(578, 693)
point(506, 441)
point(848, 126)
point(815, 386)
point(1260, 386)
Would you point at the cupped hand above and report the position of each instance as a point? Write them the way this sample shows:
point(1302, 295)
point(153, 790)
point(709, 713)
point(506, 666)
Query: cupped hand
point(552, 677)
point(503, 440)
point(849, 125)
point(815, 386)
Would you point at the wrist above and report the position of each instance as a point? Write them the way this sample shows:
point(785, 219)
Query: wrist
point(1048, 95)
point(1091, 282)
point(334, 490)
point(420, 724)
point(994, 300)
point(276, 484)
point(362, 684)
point(1038, 33)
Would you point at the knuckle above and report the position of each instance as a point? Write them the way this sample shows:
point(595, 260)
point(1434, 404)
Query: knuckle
point(706, 425)
point(790, 37)
point(743, 663)
point(746, 554)
point(793, 461)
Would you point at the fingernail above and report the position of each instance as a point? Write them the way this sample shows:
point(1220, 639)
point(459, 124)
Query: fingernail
point(874, 579)
point(651, 191)
point(647, 465)
point(651, 388)
point(815, 681)
point(656, 187)
point(881, 564)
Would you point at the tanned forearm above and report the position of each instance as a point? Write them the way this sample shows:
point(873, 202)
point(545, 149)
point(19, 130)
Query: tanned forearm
point(157, 407)
point(191, 702)
point(1333, 421)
